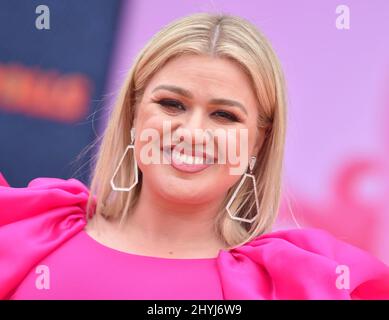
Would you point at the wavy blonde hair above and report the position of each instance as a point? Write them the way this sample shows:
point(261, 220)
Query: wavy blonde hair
point(216, 35)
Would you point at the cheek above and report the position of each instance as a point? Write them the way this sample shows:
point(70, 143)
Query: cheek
point(149, 127)
point(237, 146)
point(148, 117)
point(240, 144)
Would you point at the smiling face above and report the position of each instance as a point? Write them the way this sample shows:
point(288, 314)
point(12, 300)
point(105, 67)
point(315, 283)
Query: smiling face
point(193, 94)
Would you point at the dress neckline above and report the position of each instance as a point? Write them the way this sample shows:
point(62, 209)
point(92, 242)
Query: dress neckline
point(145, 257)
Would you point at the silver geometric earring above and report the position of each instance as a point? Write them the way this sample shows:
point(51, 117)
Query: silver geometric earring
point(252, 178)
point(130, 146)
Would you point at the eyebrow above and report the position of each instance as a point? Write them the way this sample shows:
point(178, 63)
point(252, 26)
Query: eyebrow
point(188, 94)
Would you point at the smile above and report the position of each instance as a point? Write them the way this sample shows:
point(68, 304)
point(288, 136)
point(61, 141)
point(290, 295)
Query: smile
point(186, 163)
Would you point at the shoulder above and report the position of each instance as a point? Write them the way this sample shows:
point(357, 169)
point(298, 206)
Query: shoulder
point(34, 221)
point(304, 264)
point(39, 196)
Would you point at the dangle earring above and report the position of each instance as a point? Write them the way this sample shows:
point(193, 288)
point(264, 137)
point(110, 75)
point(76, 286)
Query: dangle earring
point(252, 177)
point(130, 146)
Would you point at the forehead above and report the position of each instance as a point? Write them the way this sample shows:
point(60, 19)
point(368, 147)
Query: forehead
point(206, 77)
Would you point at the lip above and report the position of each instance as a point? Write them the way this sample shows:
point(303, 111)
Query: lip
point(184, 167)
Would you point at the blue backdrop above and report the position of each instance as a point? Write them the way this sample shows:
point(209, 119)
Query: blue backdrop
point(51, 81)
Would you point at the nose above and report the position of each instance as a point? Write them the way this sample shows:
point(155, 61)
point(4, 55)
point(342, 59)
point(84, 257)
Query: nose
point(193, 129)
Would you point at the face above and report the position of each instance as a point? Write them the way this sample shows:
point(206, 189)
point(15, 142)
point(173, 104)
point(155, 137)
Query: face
point(205, 103)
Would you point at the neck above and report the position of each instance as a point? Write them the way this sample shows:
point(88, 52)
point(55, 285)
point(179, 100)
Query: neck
point(161, 224)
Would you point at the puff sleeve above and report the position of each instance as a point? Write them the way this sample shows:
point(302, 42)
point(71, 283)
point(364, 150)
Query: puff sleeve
point(301, 264)
point(34, 221)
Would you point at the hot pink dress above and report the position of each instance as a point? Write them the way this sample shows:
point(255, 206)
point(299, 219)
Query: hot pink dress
point(45, 253)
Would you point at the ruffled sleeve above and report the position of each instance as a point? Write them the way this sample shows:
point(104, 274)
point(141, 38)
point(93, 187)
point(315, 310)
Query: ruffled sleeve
point(301, 264)
point(34, 221)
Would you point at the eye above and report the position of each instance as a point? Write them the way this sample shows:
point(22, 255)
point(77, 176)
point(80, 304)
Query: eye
point(227, 115)
point(171, 103)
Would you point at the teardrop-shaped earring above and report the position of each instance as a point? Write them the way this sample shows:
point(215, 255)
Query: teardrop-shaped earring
point(130, 146)
point(250, 175)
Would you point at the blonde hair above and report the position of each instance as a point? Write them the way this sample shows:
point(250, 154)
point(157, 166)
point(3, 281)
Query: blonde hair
point(216, 35)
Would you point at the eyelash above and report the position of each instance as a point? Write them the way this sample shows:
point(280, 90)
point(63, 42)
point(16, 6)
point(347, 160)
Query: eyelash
point(174, 104)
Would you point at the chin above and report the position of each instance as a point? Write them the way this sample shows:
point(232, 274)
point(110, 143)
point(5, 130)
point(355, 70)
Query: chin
point(186, 188)
point(183, 194)
point(186, 193)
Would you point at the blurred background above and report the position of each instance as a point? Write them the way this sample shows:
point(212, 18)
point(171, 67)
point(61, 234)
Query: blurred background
point(58, 84)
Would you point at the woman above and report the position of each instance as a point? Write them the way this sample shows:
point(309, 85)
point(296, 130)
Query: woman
point(184, 191)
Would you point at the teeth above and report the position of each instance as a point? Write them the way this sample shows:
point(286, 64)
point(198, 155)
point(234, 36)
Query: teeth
point(198, 160)
point(187, 159)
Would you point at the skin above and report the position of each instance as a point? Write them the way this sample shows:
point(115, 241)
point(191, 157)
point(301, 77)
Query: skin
point(174, 215)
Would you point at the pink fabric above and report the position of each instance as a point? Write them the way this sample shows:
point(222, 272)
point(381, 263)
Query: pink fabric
point(95, 271)
point(37, 221)
point(3, 182)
